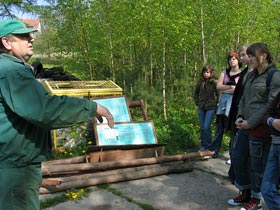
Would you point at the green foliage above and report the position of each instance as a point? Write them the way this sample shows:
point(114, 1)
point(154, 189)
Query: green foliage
point(69, 152)
point(72, 141)
point(180, 132)
point(125, 40)
point(154, 49)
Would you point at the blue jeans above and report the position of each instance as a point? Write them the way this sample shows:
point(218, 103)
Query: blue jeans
point(206, 117)
point(248, 158)
point(221, 124)
point(270, 184)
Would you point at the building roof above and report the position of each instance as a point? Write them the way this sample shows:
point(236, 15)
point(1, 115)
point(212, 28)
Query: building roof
point(35, 23)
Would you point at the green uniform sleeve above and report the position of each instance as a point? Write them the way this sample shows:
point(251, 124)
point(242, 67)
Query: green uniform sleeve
point(26, 97)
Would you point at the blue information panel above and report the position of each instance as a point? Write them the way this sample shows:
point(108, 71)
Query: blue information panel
point(117, 106)
point(125, 134)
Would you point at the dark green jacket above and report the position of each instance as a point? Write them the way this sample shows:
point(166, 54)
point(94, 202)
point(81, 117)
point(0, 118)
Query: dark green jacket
point(257, 97)
point(206, 94)
point(28, 113)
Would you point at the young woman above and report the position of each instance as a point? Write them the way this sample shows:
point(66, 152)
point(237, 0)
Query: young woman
point(238, 92)
point(205, 97)
point(251, 109)
point(226, 86)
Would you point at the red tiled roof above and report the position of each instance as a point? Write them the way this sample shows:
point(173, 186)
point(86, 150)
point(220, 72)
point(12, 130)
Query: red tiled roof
point(31, 22)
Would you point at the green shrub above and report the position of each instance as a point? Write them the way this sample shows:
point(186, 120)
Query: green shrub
point(180, 132)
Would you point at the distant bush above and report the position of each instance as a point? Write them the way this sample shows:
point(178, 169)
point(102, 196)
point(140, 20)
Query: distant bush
point(180, 132)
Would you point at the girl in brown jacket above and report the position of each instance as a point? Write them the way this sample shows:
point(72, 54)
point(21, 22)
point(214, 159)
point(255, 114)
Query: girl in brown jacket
point(205, 97)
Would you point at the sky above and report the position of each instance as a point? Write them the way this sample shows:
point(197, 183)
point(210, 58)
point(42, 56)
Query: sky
point(30, 15)
point(41, 2)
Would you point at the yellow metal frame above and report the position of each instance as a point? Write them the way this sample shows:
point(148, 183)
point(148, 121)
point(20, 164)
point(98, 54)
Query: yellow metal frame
point(88, 89)
point(82, 88)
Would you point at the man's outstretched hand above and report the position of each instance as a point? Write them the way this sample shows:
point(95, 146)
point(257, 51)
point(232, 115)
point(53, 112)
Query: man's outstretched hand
point(102, 111)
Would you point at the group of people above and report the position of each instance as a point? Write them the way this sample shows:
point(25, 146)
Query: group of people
point(247, 105)
point(214, 98)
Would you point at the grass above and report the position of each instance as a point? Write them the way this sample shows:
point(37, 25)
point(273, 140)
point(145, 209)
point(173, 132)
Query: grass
point(69, 195)
point(52, 201)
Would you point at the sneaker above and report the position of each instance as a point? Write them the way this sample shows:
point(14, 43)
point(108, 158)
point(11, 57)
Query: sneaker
point(206, 157)
point(243, 198)
point(254, 204)
point(228, 162)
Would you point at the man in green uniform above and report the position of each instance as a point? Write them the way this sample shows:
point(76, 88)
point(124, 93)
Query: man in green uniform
point(27, 114)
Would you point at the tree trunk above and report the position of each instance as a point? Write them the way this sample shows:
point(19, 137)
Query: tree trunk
point(163, 64)
point(203, 37)
point(109, 36)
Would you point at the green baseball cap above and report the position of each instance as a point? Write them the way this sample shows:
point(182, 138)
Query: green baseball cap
point(14, 26)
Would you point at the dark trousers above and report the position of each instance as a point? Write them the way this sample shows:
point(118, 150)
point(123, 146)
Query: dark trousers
point(240, 160)
point(19, 187)
point(248, 158)
point(221, 125)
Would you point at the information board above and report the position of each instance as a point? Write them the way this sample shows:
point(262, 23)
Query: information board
point(125, 134)
point(117, 106)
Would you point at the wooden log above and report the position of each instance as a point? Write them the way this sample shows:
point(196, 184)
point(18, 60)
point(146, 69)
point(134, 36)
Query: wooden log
point(58, 180)
point(78, 159)
point(56, 169)
point(138, 173)
point(51, 182)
